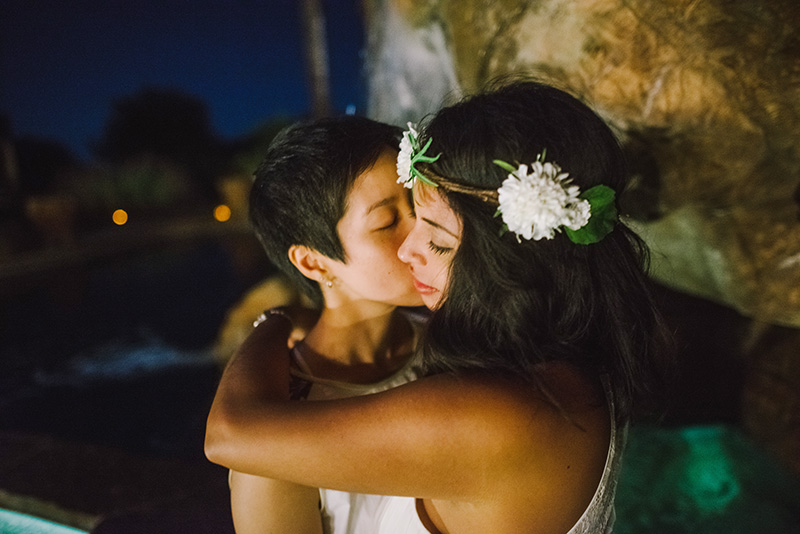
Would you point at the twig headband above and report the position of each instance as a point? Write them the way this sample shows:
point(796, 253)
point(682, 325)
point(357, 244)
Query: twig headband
point(534, 201)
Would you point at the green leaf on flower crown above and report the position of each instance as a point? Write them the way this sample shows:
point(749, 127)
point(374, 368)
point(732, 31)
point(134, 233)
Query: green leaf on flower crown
point(419, 155)
point(412, 139)
point(602, 219)
point(505, 166)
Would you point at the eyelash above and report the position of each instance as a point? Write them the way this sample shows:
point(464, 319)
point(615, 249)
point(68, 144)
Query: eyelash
point(437, 249)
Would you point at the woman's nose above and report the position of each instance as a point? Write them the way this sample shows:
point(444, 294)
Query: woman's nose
point(406, 250)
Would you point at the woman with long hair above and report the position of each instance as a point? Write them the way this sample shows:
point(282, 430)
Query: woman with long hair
point(543, 343)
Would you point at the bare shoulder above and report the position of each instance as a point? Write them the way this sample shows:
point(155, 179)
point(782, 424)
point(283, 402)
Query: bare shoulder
point(545, 452)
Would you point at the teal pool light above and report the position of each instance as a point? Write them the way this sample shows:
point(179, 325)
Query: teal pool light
point(710, 479)
point(16, 523)
point(709, 476)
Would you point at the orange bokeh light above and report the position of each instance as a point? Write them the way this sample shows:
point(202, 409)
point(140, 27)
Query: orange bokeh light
point(120, 217)
point(222, 213)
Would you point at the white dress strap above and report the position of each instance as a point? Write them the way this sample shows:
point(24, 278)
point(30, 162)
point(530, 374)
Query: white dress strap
point(300, 362)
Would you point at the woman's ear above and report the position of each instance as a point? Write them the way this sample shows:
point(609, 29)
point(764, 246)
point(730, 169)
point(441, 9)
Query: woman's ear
point(309, 262)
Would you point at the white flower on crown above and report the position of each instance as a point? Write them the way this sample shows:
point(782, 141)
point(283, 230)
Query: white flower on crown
point(535, 204)
point(407, 148)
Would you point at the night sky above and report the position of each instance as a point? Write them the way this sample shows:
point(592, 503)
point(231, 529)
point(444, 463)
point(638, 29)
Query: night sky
point(63, 63)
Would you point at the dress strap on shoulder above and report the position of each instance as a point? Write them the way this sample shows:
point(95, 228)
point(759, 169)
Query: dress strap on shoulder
point(299, 361)
point(424, 518)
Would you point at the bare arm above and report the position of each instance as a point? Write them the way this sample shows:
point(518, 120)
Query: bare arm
point(262, 505)
point(438, 437)
point(267, 506)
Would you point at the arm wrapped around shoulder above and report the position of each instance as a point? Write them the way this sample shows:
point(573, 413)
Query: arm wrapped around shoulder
point(257, 375)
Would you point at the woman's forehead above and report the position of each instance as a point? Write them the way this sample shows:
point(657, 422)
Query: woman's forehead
point(433, 208)
point(375, 186)
point(425, 195)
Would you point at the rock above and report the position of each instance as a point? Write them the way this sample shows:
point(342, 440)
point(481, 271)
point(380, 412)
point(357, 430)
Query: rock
point(277, 290)
point(771, 399)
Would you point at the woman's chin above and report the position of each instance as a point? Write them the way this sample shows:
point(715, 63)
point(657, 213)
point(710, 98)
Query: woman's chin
point(431, 300)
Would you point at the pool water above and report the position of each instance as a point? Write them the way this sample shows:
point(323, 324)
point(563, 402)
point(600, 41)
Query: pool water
point(16, 523)
point(76, 347)
point(708, 479)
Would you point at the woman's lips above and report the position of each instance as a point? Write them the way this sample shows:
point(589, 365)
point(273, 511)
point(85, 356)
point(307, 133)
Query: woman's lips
point(422, 289)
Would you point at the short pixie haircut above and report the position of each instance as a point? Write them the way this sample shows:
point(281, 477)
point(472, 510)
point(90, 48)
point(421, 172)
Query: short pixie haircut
point(301, 188)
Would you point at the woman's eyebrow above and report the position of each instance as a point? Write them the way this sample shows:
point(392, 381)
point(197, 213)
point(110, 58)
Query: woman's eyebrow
point(439, 226)
point(378, 204)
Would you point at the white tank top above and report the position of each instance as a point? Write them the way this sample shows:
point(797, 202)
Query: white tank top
point(343, 512)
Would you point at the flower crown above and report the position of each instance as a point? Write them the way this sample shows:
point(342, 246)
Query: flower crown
point(410, 155)
point(534, 202)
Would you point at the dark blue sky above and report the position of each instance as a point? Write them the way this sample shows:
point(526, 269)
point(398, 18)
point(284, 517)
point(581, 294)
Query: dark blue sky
point(64, 62)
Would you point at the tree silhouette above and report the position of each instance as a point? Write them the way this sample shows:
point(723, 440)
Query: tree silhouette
point(41, 163)
point(167, 124)
point(317, 61)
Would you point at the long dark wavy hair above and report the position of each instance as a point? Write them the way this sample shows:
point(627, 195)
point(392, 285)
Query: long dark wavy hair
point(510, 306)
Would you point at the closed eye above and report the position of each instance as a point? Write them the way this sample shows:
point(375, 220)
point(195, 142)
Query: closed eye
point(438, 249)
point(391, 224)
